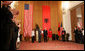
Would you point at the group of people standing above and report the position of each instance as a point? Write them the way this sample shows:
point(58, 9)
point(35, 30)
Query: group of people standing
point(37, 34)
point(9, 26)
point(79, 34)
point(62, 35)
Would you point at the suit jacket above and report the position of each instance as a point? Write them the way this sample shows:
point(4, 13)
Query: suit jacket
point(14, 31)
point(5, 25)
point(76, 32)
point(39, 32)
point(63, 32)
point(45, 33)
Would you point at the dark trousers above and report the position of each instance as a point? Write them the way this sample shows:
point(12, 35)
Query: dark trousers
point(45, 38)
point(76, 38)
point(80, 38)
point(39, 40)
point(13, 44)
point(32, 39)
point(63, 37)
point(67, 39)
point(83, 39)
point(5, 46)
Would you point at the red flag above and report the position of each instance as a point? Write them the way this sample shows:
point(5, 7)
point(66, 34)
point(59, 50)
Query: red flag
point(46, 17)
point(58, 29)
point(27, 20)
point(61, 28)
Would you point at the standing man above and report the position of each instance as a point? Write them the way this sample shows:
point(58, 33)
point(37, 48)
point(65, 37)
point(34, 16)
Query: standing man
point(36, 35)
point(80, 35)
point(39, 35)
point(5, 25)
point(45, 35)
point(76, 34)
point(14, 32)
point(63, 34)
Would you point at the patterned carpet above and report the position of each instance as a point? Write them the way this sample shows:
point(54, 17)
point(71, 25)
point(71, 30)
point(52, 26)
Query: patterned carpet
point(50, 45)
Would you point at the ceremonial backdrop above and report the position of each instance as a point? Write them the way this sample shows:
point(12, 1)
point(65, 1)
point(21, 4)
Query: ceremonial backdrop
point(46, 17)
point(28, 10)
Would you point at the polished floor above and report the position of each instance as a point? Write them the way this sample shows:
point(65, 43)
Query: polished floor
point(50, 45)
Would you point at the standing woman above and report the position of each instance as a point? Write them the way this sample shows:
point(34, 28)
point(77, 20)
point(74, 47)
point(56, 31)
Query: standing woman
point(42, 35)
point(33, 35)
point(37, 30)
point(50, 34)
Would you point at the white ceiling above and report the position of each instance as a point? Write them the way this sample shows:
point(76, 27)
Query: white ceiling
point(74, 3)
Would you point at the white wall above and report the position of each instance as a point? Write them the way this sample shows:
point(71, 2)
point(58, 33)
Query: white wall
point(67, 18)
point(67, 23)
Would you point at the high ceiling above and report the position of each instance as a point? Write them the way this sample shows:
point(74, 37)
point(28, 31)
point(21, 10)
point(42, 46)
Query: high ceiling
point(74, 3)
point(71, 3)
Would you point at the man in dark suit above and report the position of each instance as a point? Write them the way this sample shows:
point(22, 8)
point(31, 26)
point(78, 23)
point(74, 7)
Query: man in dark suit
point(14, 32)
point(8, 27)
point(80, 36)
point(76, 34)
point(45, 35)
point(5, 25)
point(63, 34)
point(39, 35)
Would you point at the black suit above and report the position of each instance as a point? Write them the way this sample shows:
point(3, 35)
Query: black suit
point(14, 32)
point(63, 35)
point(80, 36)
point(76, 35)
point(39, 35)
point(5, 26)
point(45, 35)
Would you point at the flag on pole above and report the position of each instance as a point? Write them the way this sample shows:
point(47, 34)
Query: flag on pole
point(61, 28)
point(58, 29)
point(27, 27)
